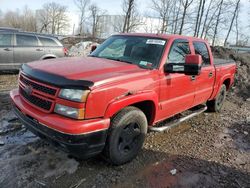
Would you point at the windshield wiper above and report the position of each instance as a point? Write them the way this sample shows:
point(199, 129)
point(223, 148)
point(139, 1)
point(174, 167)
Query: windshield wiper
point(122, 60)
point(119, 59)
point(93, 56)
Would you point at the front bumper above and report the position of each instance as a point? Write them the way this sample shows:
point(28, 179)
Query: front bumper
point(80, 144)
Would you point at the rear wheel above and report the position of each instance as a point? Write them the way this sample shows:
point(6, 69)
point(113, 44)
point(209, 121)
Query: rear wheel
point(126, 137)
point(216, 104)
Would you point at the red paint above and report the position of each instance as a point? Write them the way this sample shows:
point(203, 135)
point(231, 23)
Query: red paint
point(57, 122)
point(117, 85)
point(194, 59)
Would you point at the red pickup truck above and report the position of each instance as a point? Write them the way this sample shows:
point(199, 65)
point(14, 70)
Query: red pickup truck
point(107, 102)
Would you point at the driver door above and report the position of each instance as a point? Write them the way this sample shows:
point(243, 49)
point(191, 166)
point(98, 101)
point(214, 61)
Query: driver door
point(177, 91)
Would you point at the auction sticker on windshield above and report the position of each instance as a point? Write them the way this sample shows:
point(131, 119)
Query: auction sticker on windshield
point(156, 41)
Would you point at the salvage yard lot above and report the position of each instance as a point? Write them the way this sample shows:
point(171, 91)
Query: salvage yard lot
point(210, 150)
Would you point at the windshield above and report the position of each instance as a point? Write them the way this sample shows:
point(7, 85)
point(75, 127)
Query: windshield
point(142, 51)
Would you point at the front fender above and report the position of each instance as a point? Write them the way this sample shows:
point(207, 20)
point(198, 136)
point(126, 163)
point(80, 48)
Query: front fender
point(129, 100)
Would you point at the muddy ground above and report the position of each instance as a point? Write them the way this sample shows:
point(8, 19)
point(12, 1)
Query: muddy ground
point(212, 150)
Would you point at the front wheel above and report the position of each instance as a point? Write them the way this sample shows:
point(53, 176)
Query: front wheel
point(126, 136)
point(216, 104)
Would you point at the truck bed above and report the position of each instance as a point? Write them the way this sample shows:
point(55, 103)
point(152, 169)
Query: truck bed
point(219, 62)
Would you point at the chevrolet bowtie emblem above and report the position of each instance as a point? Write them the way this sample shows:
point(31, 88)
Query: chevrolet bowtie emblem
point(28, 89)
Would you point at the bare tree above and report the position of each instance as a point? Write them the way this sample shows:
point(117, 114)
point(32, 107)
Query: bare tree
point(199, 17)
point(82, 6)
point(176, 14)
point(163, 8)
point(148, 25)
point(206, 18)
point(237, 26)
point(44, 19)
point(95, 13)
point(118, 24)
point(53, 18)
point(132, 17)
point(217, 22)
point(62, 22)
point(185, 4)
point(24, 19)
point(232, 21)
point(12, 19)
point(209, 18)
point(28, 20)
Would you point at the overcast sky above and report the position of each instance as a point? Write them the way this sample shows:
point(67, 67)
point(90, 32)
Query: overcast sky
point(112, 6)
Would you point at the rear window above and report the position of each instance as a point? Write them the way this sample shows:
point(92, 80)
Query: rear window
point(5, 39)
point(201, 49)
point(47, 41)
point(26, 40)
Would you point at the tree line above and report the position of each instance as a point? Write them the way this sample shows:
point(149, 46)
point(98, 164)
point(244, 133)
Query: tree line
point(208, 19)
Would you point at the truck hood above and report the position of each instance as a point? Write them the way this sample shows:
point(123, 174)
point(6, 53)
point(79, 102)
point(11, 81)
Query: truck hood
point(89, 70)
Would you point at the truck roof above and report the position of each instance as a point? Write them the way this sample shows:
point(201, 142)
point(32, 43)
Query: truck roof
point(163, 36)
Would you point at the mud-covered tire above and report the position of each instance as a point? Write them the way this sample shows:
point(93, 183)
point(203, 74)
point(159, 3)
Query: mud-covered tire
point(126, 136)
point(216, 104)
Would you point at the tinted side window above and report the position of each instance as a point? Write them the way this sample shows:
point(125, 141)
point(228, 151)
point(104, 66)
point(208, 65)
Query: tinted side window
point(26, 40)
point(201, 49)
point(178, 51)
point(47, 41)
point(5, 39)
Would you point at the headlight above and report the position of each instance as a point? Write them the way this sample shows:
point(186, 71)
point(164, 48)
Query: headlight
point(74, 94)
point(75, 113)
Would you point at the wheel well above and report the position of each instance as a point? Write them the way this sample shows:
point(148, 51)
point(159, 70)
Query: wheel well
point(48, 58)
point(148, 108)
point(227, 83)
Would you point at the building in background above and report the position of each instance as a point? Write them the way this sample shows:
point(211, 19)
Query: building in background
point(109, 25)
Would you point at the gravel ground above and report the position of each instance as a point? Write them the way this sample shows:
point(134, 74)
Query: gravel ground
point(211, 150)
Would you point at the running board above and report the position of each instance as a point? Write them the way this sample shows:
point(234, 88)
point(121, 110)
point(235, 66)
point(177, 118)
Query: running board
point(176, 122)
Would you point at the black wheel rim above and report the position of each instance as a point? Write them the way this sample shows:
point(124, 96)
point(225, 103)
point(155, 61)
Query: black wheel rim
point(129, 138)
point(221, 98)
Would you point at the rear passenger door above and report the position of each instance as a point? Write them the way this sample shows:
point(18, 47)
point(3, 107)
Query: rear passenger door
point(205, 81)
point(52, 48)
point(6, 51)
point(27, 48)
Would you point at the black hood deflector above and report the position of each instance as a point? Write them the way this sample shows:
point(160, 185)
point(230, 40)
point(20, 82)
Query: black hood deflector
point(55, 80)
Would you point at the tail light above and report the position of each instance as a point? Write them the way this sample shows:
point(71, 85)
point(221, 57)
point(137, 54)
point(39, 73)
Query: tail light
point(65, 51)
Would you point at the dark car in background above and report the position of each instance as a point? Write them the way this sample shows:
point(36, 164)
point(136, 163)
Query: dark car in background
point(17, 47)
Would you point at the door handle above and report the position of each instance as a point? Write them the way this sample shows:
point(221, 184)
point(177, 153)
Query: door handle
point(7, 49)
point(210, 74)
point(193, 78)
point(39, 49)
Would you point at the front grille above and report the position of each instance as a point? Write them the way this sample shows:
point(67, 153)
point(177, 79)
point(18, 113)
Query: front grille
point(41, 103)
point(38, 87)
point(37, 94)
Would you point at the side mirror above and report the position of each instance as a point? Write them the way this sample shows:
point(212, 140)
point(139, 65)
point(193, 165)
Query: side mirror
point(93, 47)
point(192, 66)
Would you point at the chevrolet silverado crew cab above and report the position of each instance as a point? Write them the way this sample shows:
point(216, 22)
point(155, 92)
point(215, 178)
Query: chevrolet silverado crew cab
point(107, 102)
